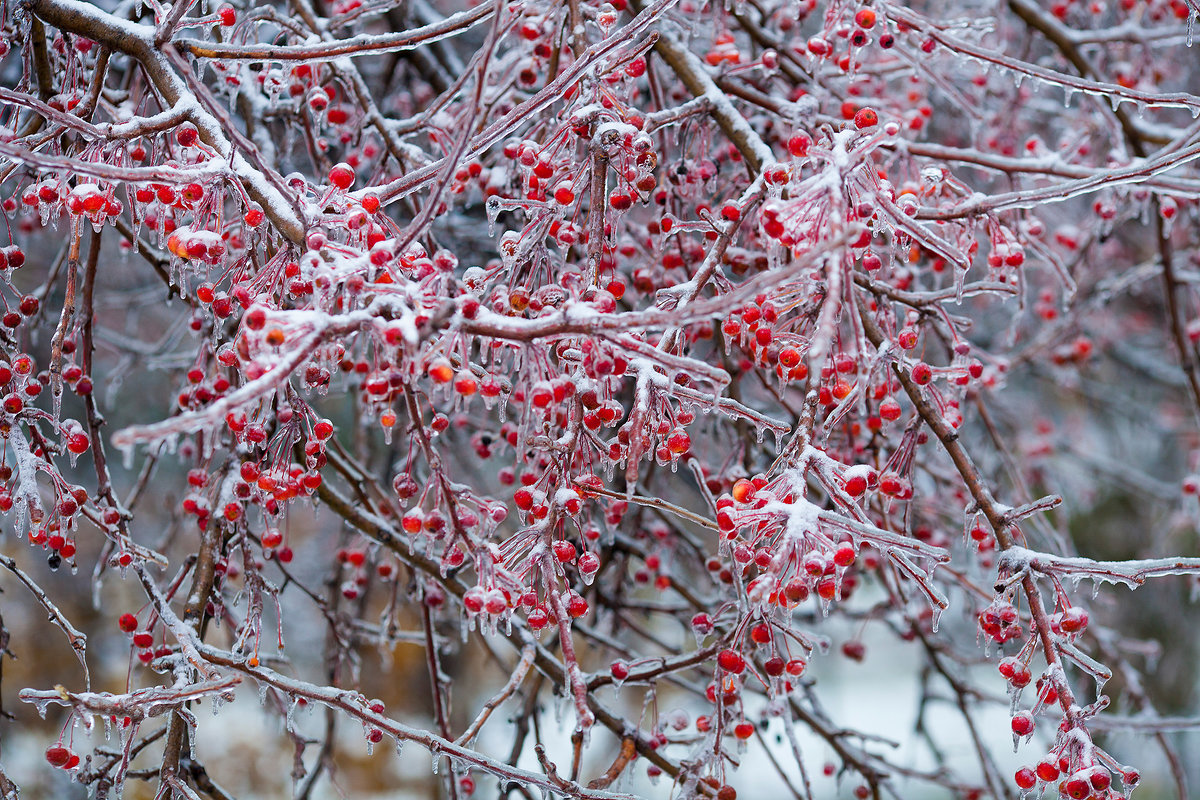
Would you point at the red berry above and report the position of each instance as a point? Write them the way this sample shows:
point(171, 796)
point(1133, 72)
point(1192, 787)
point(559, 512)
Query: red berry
point(1047, 770)
point(1100, 779)
point(564, 551)
point(440, 370)
point(1025, 778)
point(57, 755)
point(128, 623)
point(731, 661)
point(1078, 787)
point(254, 217)
point(1073, 620)
point(798, 145)
point(743, 491)
point(620, 201)
point(866, 118)
point(186, 134)
point(341, 176)
point(577, 606)
point(538, 618)
point(889, 410)
point(465, 383)
point(474, 600)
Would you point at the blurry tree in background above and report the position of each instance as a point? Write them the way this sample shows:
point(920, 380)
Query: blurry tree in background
point(431, 370)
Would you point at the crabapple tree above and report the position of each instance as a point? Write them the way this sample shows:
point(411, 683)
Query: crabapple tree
point(606, 368)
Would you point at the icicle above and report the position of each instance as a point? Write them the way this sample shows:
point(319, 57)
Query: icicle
point(41, 706)
point(560, 705)
point(126, 455)
point(493, 211)
point(437, 757)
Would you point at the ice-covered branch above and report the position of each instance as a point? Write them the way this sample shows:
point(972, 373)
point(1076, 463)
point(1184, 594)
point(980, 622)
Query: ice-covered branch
point(1131, 574)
